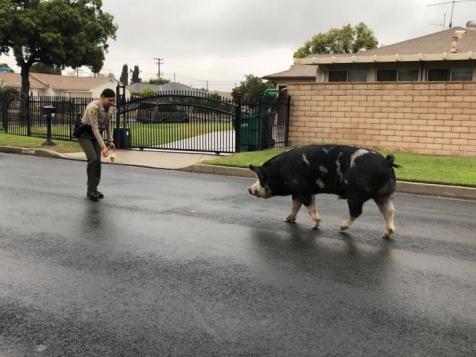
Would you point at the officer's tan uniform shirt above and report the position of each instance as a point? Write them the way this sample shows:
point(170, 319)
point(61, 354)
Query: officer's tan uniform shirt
point(97, 116)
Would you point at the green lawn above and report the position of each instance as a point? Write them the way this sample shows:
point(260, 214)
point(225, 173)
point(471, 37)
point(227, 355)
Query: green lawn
point(449, 170)
point(143, 135)
point(31, 142)
point(158, 134)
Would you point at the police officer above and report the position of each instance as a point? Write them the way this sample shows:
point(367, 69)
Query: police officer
point(97, 117)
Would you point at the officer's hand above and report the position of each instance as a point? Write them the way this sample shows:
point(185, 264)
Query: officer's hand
point(104, 151)
point(112, 146)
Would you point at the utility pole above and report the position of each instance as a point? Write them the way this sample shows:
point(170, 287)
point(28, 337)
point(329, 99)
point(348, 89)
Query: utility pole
point(159, 62)
point(453, 2)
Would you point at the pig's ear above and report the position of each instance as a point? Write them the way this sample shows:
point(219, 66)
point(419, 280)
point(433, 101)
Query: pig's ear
point(257, 170)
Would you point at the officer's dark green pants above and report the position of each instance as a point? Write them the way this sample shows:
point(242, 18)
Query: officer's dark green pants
point(92, 149)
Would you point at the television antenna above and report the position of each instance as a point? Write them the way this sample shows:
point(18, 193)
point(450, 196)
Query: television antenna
point(442, 24)
point(453, 2)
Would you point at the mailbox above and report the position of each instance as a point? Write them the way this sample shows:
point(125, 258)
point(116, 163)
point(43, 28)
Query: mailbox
point(48, 111)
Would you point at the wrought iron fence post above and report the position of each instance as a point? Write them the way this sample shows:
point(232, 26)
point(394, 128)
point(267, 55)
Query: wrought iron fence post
point(261, 126)
point(118, 105)
point(4, 118)
point(28, 111)
point(238, 124)
point(116, 131)
point(4, 106)
point(288, 114)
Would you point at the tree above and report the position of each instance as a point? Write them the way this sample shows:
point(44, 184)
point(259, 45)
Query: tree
point(147, 92)
point(56, 32)
point(41, 67)
point(347, 39)
point(124, 79)
point(158, 81)
point(135, 75)
point(252, 88)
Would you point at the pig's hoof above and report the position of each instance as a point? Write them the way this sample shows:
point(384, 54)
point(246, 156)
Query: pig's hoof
point(343, 227)
point(315, 228)
point(290, 220)
point(317, 224)
point(387, 233)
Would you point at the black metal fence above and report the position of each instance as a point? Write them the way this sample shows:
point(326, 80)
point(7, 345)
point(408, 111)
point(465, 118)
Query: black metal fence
point(184, 121)
point(35, 124)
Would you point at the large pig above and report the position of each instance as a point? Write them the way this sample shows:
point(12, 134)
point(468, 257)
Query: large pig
point(352, 173)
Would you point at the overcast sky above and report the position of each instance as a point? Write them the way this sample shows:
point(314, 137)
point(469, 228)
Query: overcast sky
point(217, 42)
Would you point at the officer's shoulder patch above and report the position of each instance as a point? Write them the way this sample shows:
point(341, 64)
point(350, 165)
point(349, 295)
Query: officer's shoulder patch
point(94, 111)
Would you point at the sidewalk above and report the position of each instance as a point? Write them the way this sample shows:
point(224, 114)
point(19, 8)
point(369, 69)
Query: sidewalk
point(192, 162)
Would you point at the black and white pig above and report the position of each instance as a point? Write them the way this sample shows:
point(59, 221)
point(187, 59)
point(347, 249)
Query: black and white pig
point(352, 173)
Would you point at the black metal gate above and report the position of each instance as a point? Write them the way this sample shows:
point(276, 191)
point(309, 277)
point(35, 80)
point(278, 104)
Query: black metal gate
point(199, 121)
point(186, 121)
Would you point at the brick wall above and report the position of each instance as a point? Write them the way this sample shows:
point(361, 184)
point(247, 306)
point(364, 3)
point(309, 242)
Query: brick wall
point(424, 117)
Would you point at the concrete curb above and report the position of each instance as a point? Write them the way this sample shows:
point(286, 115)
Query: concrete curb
point(402, 186)
point(220, 170)
point(32, 152)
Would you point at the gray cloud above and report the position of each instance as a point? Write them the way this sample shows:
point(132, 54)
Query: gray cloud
point(219, 41)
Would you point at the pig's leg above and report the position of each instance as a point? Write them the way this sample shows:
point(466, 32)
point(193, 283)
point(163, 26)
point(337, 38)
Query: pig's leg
point(312, 208)
point(296, 206)
point(385, 206)
point(355, 210)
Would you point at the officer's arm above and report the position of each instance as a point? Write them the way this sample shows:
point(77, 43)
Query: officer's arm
point(93, 119)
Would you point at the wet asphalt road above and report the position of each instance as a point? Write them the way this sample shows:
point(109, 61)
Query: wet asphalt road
point(181, 264)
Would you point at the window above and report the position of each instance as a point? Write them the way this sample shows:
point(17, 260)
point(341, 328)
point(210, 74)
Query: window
point(357, 76)
point(387, 75)
point(337, 76)
point(453, 74)
point(462, 74)
point(393, 75)
point(439, 74)
point(282, 89)
point(407, 75)
point(347, 76)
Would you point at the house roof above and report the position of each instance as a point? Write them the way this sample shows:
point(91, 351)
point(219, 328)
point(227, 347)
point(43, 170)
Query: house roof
point(166, 87)
point(457, 43)
point(296, 71)
point(223, 95)
point(54, 81)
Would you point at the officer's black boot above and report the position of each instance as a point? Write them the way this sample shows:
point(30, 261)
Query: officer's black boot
point(93, 196)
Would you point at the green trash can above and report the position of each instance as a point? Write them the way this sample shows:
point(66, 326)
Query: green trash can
point(249, 132)
point(269, 97)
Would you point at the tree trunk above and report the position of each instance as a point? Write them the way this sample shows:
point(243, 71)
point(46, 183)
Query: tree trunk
point(25, 96)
